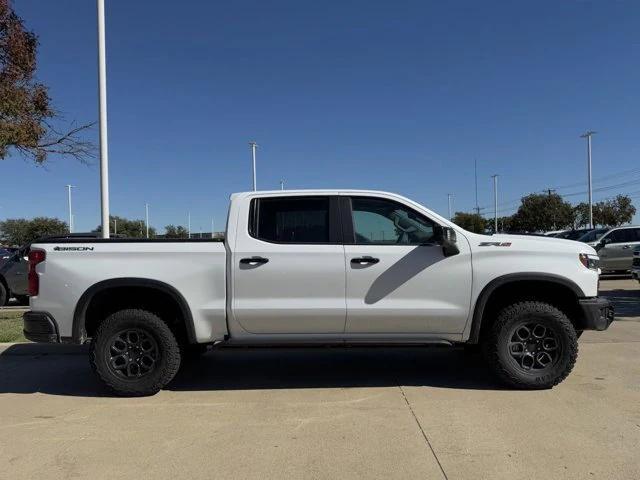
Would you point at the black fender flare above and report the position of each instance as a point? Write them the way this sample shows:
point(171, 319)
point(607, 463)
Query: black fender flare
point(493, 285)
point(80, 312)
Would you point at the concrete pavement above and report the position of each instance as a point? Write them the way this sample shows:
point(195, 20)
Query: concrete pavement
point(329, 413)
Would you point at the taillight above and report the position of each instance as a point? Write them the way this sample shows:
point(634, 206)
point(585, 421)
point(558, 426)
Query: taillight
point(35, 257)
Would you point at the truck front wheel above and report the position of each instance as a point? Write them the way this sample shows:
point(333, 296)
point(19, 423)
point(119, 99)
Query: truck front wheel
point(532, 345)
point(134, 353)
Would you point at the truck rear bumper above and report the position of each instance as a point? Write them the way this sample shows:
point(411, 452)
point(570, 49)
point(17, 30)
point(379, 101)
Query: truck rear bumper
point(597, 313)
point(40, 327)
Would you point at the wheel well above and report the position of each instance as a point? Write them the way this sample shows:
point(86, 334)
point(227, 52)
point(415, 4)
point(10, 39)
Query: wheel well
point(560, 296)
point(161, 303)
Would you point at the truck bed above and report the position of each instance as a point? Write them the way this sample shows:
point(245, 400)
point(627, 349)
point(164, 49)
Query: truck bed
point(194, 268)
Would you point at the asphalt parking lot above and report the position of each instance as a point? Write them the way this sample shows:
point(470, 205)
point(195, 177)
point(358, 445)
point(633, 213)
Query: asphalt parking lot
point(329, 413)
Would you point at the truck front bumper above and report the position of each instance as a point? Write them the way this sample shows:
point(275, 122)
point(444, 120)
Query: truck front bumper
point(40, 327)
point(597, 313)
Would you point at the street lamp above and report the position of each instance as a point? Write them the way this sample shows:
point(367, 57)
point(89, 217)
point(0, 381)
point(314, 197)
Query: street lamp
point(102, 106)
point(69, 187)
point(588, 135)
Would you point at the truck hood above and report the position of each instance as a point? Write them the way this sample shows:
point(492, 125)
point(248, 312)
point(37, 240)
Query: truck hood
point(529, 242)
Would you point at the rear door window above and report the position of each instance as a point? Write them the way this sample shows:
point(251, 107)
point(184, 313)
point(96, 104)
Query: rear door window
point(291, 219)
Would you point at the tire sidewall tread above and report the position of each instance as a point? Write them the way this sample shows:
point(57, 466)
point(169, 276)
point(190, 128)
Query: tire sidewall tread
point(167, 345)
point(499, 360)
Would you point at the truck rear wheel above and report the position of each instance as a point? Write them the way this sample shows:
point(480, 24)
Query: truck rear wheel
point(532, 345)
point(134, 353)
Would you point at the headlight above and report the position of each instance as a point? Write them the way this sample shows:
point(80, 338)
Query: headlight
point(590, 261)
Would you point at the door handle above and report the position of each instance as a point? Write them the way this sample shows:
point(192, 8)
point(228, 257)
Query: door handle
point(252, 260)
point(364, 260)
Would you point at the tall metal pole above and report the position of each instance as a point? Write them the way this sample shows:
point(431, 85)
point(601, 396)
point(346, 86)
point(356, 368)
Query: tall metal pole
point(189, 223)
point(475, 170)
point(211, 227)
point(282, 184)
point(495, 202)
point(588, 135)
point(146, 214)
point(449, 197)
point(69, 187)
point(102, 91)
point(115, 226)
point(253, 146)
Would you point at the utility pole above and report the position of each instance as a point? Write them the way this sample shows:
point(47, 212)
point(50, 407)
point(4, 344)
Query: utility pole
point(495, 201)
point(475, 169)
point(253, 146)
point(146, 214)
point(69, 187)
point(449, 198)
point(102, 104)
point(211, 227)
point(588, 135)
point(281, 184)
point(189, 224)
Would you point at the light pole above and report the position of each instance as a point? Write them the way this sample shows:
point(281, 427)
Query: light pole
point(281, 184)
point(115, 226)
point(588, 135)
point(211, 227)
point(449, 198)
point(253, 146)
point(146, 215)
point(495, 201)
point(189, 224)
point(69, 187)
point(102, 93)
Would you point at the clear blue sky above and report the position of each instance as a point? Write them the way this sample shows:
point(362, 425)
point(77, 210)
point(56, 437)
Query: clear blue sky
point(400, 96)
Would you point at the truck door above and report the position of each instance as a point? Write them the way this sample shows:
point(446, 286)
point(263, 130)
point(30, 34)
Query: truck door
point(289, 273)
point(398, 281)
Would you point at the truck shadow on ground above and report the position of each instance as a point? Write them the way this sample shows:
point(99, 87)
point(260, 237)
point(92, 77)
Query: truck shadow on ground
point(626, 303)
point(30, 368)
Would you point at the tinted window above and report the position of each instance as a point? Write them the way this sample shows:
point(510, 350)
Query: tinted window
point(379, 221)
point(624, 235)
point(292, 220)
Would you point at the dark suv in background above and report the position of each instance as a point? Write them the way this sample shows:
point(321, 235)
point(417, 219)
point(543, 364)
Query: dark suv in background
point(13, 277)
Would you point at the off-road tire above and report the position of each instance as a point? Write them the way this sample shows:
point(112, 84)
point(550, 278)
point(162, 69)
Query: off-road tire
point(4, 295)
point(507, 368)
point(166, 349)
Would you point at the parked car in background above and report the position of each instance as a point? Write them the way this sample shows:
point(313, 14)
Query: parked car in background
point(572, 234)
point(6, 253)
point(592, 237)
point(635, 265)
point(13, 277)
point(615, 248)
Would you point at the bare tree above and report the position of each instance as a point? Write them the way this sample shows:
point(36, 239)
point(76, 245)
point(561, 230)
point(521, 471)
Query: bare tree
point(26, 113)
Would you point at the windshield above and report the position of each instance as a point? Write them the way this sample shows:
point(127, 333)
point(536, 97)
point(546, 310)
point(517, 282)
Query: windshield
point(593, 235)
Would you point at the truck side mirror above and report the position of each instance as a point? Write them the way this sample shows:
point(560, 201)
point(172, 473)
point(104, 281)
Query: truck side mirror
point(446, 236)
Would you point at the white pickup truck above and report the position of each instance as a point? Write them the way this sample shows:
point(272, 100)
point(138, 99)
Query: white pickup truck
point(317, 267)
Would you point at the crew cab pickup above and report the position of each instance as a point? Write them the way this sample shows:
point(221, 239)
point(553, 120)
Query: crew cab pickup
point(317, 267)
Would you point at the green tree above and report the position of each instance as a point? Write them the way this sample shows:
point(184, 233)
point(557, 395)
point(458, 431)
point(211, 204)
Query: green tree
point(171, 231)
point(126, 228)
point(614, 212)
point(543, 212)
point(471, 222)
point(20, 231)
point(26, 113)
point(607, 213)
